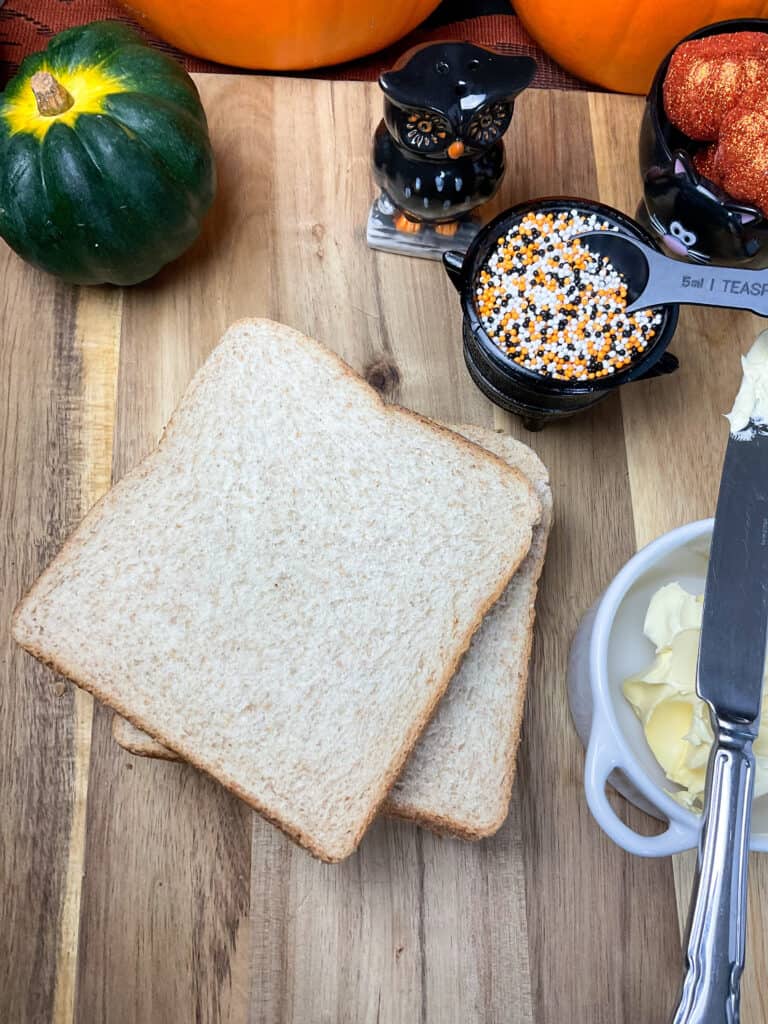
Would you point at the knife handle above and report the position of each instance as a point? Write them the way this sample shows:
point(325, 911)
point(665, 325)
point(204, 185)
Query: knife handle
point(717, 920)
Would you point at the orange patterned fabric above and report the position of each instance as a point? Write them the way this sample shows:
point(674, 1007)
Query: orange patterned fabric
point(27, 25)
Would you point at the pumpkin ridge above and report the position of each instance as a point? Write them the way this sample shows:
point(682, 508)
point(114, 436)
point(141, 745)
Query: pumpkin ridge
point(164, 105)
point(139, 210)
point(137, 140)
point(191, 132)
point(15, 178)
point(69, 247)
point(94, 46)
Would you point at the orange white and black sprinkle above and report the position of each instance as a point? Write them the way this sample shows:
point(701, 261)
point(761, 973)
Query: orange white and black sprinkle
point(554, 307)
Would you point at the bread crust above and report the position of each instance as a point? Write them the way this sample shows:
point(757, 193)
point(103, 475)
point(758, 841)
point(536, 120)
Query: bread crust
point(455, 826)
point(142, 745)
point(436, 684)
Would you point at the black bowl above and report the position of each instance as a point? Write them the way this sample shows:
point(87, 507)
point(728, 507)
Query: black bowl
point(695, 220)
point(539, 399)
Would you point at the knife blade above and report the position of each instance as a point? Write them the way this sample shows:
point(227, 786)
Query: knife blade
point(735, 616)
point(730, 678)
point(654, 279)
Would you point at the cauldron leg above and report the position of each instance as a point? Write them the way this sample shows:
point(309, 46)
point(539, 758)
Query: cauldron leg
point(534, 423)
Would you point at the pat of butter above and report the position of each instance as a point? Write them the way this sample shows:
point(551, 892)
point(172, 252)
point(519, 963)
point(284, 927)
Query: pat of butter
point(752, 400)
point(675, 721)
point(671, 610)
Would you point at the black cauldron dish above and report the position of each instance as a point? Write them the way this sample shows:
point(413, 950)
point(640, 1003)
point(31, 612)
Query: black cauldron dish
point(692, 217)
point(537, 399)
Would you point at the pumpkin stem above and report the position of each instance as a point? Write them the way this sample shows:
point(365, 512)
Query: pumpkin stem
point(51, 96)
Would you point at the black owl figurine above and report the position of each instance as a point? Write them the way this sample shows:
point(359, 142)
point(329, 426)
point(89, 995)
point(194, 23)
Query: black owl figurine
point(438, 153)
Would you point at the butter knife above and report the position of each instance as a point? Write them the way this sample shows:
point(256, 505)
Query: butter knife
point(730, 678)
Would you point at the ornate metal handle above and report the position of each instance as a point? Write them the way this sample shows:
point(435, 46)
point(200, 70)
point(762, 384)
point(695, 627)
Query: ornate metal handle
point(717, 920)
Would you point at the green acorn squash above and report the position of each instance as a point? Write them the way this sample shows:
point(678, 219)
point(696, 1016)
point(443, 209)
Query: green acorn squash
point(106, 168)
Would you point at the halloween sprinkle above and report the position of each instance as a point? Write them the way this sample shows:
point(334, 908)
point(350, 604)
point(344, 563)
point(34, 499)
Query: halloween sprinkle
point(554, 307)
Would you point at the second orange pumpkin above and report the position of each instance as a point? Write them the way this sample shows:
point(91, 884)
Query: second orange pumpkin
point(619, 43)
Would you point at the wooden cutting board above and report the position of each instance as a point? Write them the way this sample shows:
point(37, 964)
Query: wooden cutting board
point(142, 892)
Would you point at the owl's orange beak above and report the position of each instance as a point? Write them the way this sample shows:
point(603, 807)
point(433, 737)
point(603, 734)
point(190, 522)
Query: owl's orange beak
point(455, 150)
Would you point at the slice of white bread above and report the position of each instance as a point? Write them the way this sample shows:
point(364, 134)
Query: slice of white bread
point(459, 776)
point(281, 592)
point(458, 780)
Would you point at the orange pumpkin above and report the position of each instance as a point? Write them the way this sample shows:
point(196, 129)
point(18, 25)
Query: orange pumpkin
point(619, 43)
point(280, 35)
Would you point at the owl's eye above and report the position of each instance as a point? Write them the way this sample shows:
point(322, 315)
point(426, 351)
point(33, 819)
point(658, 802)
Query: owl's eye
point(425, 130)
point(489, 123)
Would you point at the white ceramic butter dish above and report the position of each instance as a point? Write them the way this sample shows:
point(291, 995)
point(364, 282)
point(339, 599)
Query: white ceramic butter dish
point(608, 647)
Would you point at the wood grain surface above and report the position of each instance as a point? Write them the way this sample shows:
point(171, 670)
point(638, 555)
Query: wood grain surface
point(656, 420)
point(137, 892)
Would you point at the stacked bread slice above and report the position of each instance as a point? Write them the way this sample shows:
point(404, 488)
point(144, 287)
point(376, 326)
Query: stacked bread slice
point(283, 591)
point(458, 779)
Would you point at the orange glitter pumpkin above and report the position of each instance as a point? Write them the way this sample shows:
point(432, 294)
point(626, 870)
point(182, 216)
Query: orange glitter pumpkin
point(707, 77)
point(705, 162)
point(741, 157)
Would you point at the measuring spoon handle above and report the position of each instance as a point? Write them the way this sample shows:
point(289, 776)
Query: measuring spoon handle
point(670, 281)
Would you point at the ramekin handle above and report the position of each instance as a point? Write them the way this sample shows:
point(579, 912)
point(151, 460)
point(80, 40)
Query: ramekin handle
point(601, 761)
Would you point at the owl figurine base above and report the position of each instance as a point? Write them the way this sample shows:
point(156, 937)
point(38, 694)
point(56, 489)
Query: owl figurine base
point(438, 153)
point(387, 233)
